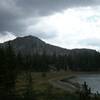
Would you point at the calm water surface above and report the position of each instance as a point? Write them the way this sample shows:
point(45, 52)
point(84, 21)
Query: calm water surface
point(93, 81)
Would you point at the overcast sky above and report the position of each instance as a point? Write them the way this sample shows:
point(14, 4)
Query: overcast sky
point(65, 23)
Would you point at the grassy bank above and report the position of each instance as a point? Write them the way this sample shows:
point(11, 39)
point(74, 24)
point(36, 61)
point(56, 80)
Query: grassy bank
point(40, 86)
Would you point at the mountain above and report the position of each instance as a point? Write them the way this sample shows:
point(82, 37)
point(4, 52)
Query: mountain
point(32, 44)
point(84, 51)
point(77, 59)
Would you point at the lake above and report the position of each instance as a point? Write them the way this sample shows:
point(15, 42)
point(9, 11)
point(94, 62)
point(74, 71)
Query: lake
point(92, 80)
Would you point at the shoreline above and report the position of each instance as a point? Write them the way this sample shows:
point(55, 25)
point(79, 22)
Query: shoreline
point(66, 86)
point(78, 85)
point(73, 86)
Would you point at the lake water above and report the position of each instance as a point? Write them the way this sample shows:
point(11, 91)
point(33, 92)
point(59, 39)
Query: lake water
point(93, 81)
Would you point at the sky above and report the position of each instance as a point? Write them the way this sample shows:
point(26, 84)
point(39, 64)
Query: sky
point(65, 23)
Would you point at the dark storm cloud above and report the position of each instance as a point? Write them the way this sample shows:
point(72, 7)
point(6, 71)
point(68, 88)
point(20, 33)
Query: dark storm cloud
point(14, 14)
point(45, 7)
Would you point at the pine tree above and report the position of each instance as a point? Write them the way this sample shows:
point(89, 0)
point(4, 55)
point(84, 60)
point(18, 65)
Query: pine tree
point(9, 73)
point(85, 93)
point(29, 94)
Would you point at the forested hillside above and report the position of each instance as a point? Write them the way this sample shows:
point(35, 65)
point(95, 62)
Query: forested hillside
point(32, 53)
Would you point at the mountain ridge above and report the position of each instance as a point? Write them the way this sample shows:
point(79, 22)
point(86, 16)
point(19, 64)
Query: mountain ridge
point(31, 44)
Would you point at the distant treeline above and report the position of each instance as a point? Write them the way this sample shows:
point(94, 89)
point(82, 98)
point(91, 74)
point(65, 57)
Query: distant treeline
point(36, 62)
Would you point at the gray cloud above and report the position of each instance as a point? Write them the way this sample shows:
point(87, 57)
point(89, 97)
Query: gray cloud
point(45, 7)
point(15, 14)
